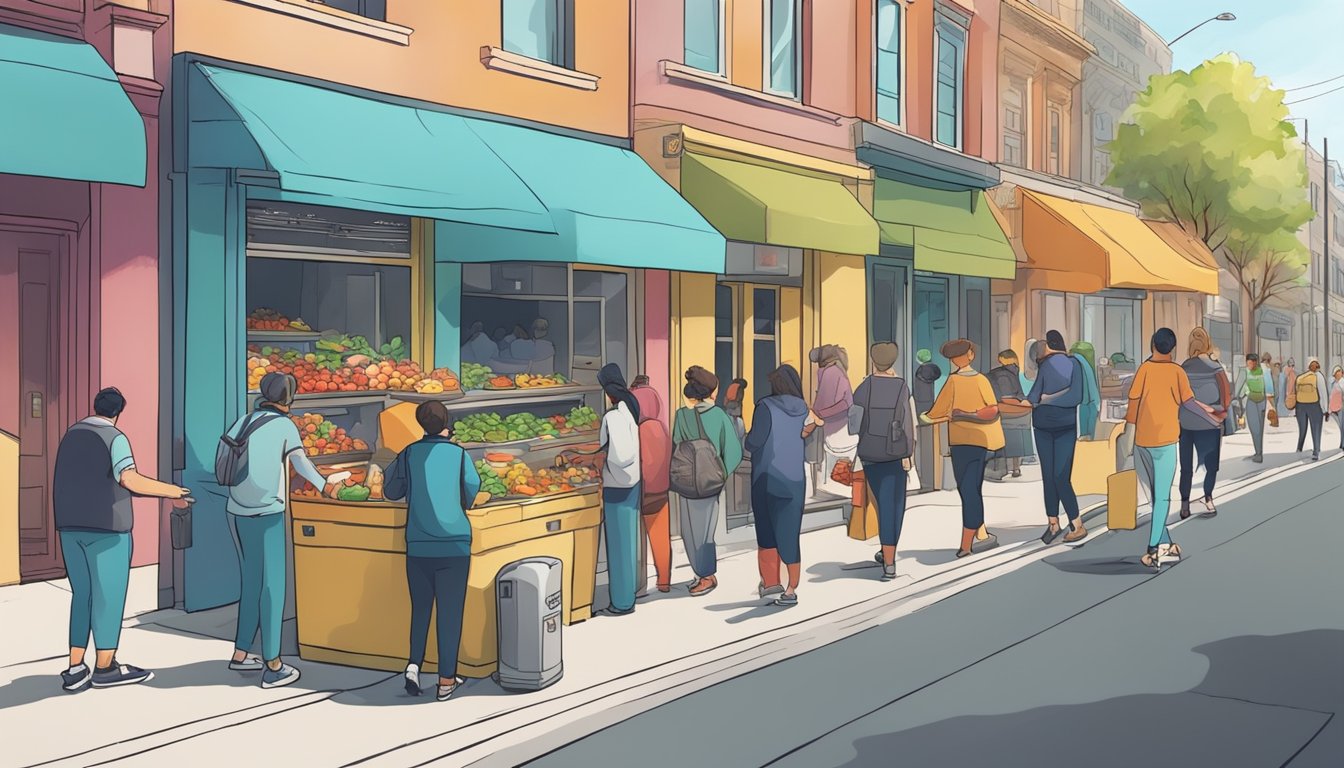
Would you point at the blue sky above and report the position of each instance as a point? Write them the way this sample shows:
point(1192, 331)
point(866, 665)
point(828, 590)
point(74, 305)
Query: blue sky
point(1293, 42)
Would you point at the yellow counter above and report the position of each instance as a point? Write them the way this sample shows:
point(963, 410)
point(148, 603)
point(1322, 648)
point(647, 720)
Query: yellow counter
point(350, 575)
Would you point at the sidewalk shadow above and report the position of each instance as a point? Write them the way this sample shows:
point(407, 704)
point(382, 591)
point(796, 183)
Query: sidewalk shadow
point(1101, 566)
point(941, 556)
point(758, 609)
point(1262, 698)
point(392, 693)
point(865, 570)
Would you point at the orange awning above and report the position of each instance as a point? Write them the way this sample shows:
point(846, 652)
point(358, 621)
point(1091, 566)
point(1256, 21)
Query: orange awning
point(1094, 248)
point(1187, 244)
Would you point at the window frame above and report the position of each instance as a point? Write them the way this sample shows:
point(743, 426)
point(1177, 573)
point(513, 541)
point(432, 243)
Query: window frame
point(766, 48)
point(1054, 139)
point(1022, 134)
point(363, 6)
point(903, 37)
point(721, 54)
point(562, 35)
point(950, 21)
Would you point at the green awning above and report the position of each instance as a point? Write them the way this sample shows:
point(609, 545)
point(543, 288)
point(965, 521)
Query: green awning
point(953, 232)
point(756, 204)
point(609, 207)
point(360, 152)
point(65, 113)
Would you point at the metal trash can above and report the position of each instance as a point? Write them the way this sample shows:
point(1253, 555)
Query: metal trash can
point(528, 601)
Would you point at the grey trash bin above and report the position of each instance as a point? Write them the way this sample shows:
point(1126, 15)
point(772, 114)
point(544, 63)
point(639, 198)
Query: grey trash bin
point(528, 603)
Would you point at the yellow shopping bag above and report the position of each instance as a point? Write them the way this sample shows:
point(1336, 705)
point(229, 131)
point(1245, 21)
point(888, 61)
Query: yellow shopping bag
point(863, 514)
point(1122, 501)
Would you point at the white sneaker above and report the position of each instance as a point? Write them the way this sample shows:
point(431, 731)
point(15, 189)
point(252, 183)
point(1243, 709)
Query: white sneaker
point(278, 678)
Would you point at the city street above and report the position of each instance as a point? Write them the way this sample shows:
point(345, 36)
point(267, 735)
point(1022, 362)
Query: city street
point(1233, 657)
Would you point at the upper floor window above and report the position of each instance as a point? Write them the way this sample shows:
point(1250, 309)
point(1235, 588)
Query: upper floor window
point(783, 54)
point(1014, 124)
point(703, 40)
point(369, 9)
point(1315, 191)
point(1055, 140)
point(540, 29)
point(889, 74)
point(1103, 126)
point(949, 77)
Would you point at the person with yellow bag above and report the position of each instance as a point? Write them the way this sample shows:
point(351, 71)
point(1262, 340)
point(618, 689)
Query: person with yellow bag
point(883, 417)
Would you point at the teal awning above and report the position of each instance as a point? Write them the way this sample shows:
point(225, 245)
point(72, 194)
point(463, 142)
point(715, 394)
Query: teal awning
point(359, 152)
point(65, 114)
point(609, 208)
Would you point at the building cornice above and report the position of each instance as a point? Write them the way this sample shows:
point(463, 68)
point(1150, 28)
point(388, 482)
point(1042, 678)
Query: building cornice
point(1046, 25)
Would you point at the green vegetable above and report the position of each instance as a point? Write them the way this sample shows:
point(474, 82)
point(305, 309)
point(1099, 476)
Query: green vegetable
point(353, 493)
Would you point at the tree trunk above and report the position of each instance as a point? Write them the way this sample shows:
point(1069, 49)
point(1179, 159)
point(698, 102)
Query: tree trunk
point(1250, 339)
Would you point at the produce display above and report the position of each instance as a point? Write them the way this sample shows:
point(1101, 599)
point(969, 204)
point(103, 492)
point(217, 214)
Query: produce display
point(474, 375)
point(330, 371)
point(533, 381)
point(492, 428)
point(321, 437)
point(360, 486)
point(518, 479)
point(264, 319)
point(500, 382)
point(346, 345)
point(582, 418)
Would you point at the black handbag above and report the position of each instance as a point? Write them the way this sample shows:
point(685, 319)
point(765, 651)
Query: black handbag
point(180, 528)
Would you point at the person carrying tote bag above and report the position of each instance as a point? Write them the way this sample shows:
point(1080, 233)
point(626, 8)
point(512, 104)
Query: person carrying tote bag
point(884, 420)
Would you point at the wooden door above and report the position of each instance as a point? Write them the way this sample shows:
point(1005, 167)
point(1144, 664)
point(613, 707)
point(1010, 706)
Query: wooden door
point(30, 263)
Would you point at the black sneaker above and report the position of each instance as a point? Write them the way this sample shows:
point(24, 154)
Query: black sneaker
point(76, 679)
point(120, 674)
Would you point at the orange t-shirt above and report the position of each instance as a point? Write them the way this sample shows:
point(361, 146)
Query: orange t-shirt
point(1155, 398)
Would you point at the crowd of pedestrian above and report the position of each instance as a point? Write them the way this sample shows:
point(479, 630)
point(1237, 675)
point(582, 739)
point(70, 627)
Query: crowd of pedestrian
point(873, 439)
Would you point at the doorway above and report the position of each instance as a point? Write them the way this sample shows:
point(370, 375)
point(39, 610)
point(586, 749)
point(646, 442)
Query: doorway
point(887, 319)
point(29, 355)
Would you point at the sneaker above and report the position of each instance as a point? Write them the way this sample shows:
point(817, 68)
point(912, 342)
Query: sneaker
point(786, 600)
point(76, 679)
point(248, 664)
point(120, 674)
point(412, 677)
point(446, 692)
point(889, 572)
point(278, 678)
point(878, 557)
point(764, 591)
point(984, 545)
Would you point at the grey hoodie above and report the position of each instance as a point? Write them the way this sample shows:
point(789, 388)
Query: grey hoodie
point(776, 443)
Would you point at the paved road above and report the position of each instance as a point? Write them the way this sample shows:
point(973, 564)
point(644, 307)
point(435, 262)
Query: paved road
point(1233, 657)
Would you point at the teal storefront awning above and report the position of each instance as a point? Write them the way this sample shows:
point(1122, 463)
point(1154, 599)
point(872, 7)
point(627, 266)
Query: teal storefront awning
point(344, 150)
point(609, 207)
point(65, 114)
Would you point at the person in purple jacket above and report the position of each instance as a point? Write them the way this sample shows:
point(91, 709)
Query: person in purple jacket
point(833, 400)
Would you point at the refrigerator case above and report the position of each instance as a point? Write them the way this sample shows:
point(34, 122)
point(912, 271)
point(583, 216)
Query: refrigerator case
point(528, 596)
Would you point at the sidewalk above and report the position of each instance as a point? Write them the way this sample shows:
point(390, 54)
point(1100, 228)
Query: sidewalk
point(337, 715)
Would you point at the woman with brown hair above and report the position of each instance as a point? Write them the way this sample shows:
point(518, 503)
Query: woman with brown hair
point(1201, 440)
point(777, 486)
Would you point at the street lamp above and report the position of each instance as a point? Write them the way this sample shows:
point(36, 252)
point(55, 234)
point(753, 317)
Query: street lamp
point(1224, 16)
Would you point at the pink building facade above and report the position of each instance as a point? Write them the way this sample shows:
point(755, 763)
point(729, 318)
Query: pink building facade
point(79, 251)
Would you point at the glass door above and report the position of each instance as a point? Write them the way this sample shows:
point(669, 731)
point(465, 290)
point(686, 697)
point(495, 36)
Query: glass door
point(932, 323)
point(764, 337)
point(887, 311)
point(726, 320)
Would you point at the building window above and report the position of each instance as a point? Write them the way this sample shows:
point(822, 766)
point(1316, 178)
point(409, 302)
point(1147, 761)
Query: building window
point(1014, 125)
point(369, 9)
point(1103, 126)
point(540, 29)
point(704, 35)
point(782, 48)
point(1101, 167)
point(1127, 65)
point(1315, 190)
point(764, 338)
point(889, 70)
point(949, 77)
point(1055, 142)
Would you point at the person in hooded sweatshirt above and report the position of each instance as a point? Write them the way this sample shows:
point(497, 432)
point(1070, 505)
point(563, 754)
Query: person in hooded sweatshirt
point(1313, 397)
point(777, 485)
point(833, 400)
point(619, 439)
point(655, 458)
point(700, 517)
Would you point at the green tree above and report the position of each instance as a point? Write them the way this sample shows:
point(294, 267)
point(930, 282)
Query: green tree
point(1211, 150)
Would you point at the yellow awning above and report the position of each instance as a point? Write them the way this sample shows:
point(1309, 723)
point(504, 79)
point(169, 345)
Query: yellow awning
point(1189, 246)
point(1097, 248)
point(759, 204)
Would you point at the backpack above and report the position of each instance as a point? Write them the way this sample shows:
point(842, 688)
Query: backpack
point(697, 470)
point(893, 436)
point(231, 454)
point(1205, 383)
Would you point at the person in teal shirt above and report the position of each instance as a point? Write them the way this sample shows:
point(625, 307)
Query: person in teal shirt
point(1090, 409)
point(1257, 389)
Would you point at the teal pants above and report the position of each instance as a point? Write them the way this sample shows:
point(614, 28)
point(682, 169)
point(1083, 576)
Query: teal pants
point(1157, 469)
point(261, 601)
point(620, 517)
point(98, 564)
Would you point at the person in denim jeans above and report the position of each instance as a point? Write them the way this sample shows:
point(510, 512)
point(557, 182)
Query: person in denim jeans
point(1157, 396)
point(883, 399)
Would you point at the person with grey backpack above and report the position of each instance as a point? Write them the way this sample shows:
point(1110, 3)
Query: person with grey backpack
point(252, 462)
point(883, 417)
point(1201, 441)
point(706, 451)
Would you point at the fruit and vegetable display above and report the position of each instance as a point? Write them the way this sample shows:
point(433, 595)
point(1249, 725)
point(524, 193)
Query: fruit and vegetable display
point(365, 483)
point(347, 346)
point(323, 438)
point(264, 319)
point(533, 381)
point(474, 375)
point(492, 428)
point(582, 418)
point(500, 382)
point(329, 371)
point(518, 479)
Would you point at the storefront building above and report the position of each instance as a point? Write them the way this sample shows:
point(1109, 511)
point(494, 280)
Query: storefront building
point(743, 108)
point(79, 294)
point(359, 240)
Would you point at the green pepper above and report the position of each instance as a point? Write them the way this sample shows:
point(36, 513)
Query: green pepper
point(353, 493)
